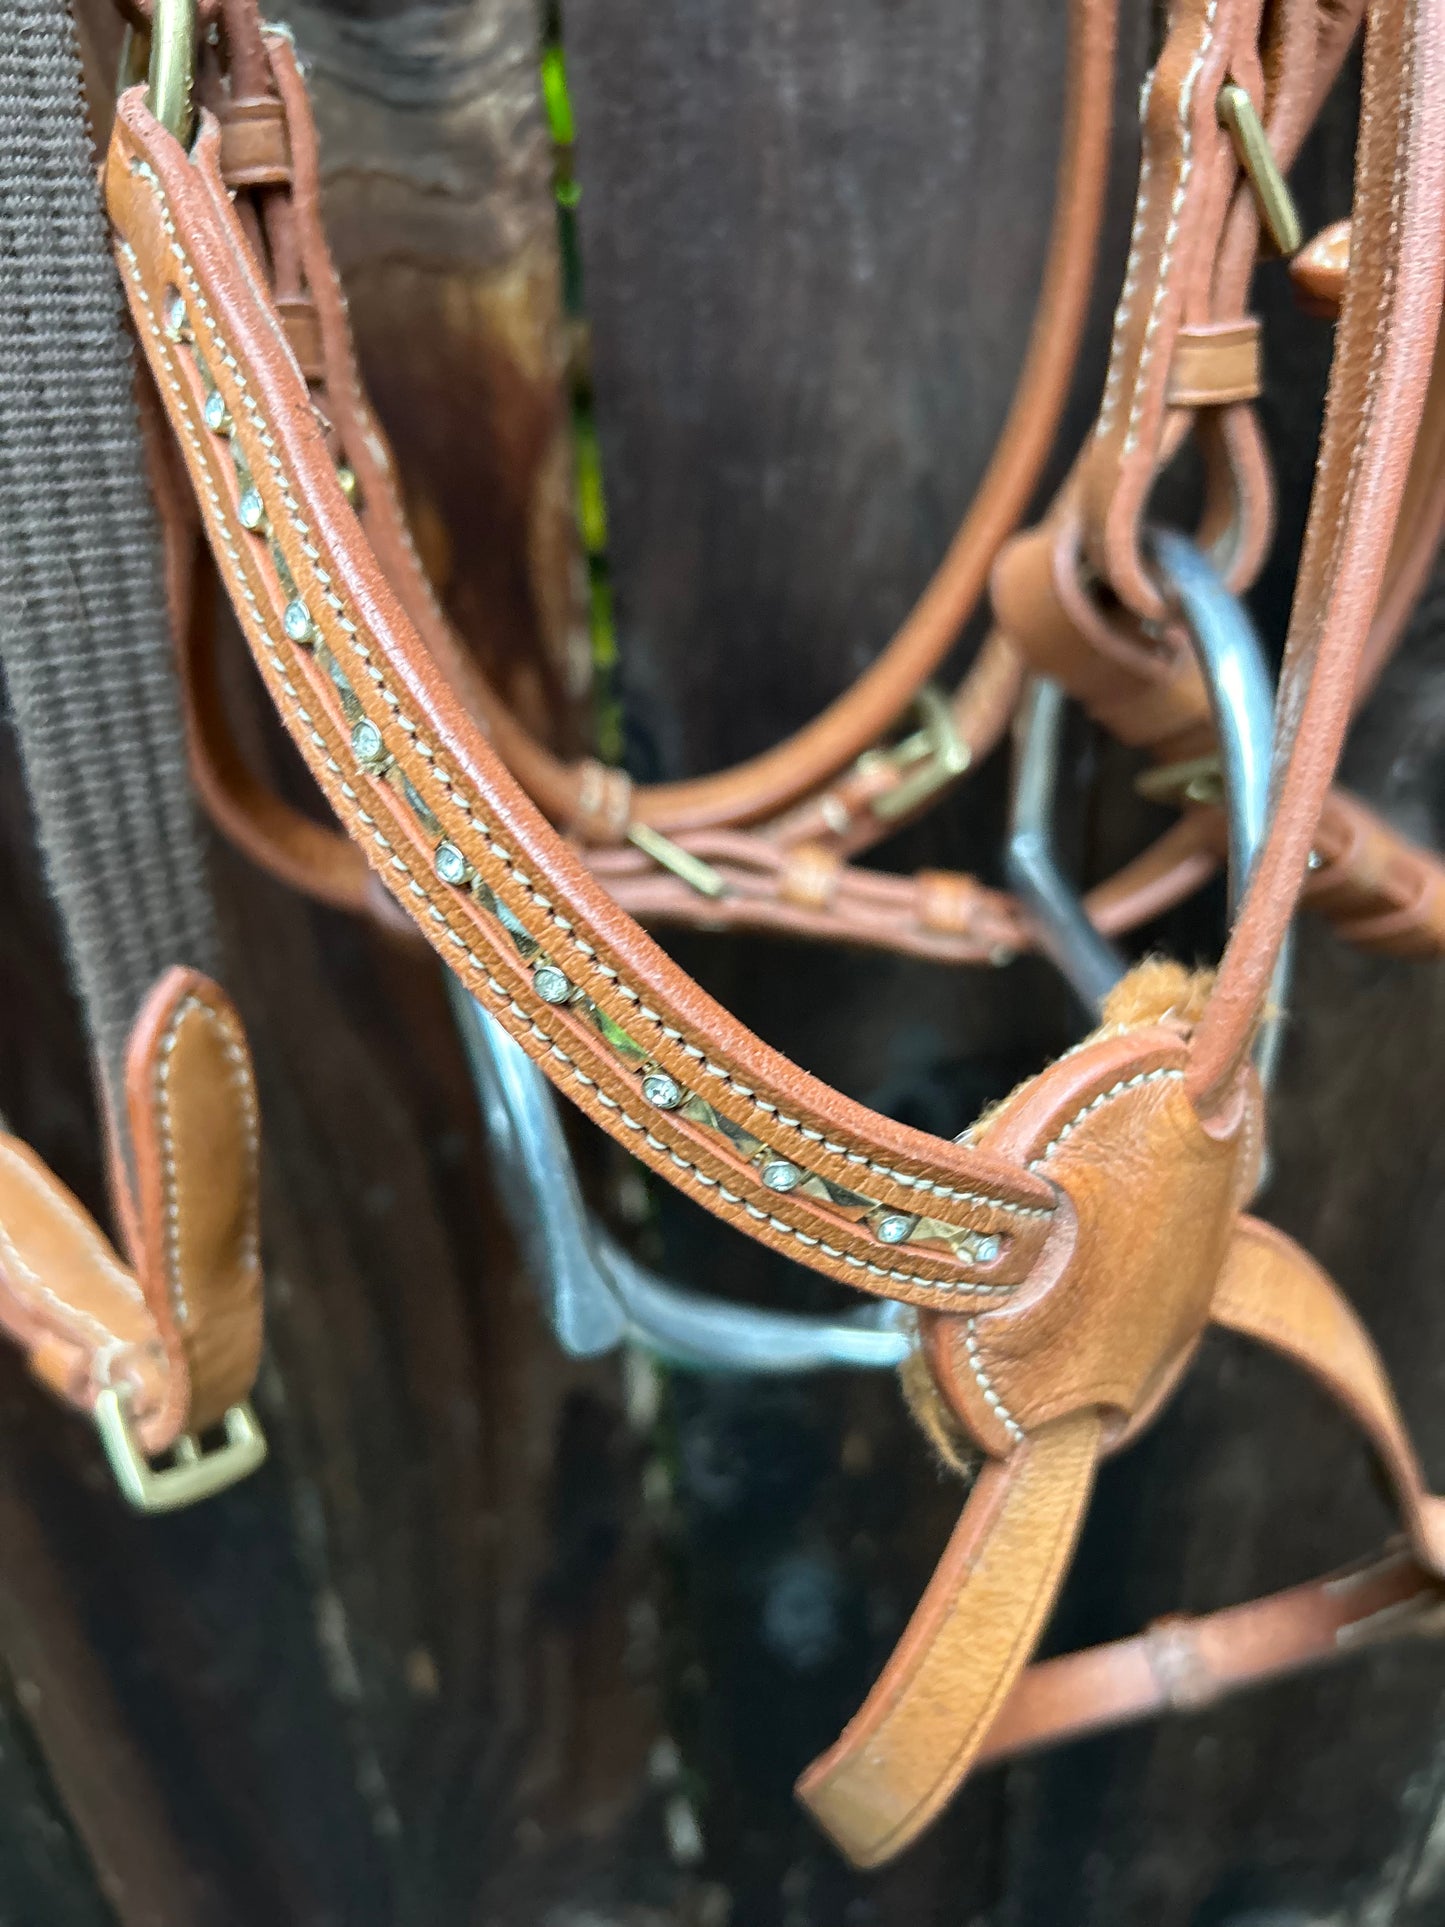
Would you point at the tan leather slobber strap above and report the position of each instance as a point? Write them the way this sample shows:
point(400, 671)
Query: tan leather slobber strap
point(191, 1097)
point(908, 1749)
point(1272, 1292)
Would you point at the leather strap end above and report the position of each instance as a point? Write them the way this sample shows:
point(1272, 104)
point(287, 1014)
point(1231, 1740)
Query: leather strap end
point(191, 1102)
point(1214, 364)
point(905, 1753)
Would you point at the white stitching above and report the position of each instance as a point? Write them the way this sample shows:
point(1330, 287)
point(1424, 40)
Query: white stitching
point(1171, 235)
point(235, 1053)
point(460, 801)
point(476, 964)
point(990, 1396)
point(1097, 1103)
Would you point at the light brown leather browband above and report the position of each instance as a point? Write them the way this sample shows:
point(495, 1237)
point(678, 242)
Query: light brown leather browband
point(1066, 1256)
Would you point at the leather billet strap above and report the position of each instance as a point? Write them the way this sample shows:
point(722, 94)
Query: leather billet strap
point(176, 1328)
point(1066, 1255)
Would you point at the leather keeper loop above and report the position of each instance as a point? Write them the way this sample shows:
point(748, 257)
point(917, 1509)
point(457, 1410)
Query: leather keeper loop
point(1144, 694)
point(809, 877)
point(1181, 1671)
point(604, 803)
point(255, 143)
point(1215, 363)
point(948, 902)
point(303, 334)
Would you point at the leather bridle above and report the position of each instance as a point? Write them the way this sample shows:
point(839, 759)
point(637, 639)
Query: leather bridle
point(1064, 1257)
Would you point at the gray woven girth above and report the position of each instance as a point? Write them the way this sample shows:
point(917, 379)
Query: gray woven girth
point(83, 632)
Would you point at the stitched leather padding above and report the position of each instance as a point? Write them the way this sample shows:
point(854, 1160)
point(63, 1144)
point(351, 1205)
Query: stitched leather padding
point(1122, 1289)
point(191, 1096)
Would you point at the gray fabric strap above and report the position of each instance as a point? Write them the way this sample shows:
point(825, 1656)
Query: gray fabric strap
point(84, 637)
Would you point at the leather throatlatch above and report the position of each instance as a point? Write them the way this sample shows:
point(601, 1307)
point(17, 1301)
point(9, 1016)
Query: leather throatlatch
point(164, 1347)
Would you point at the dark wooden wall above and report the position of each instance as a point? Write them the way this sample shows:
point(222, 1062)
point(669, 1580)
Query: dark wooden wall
point(502, 1639)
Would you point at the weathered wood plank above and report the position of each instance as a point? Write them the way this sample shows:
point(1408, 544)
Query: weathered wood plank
point(810, 240)
point(485, 1643)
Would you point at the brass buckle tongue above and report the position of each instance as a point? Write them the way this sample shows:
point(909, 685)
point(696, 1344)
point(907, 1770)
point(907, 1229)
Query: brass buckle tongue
point(934, 755)
point(194, 1473)
point(165, 58)
point(1239, 116)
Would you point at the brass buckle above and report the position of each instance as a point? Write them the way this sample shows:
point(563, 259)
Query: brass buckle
point(935, 755)
point(194, 1474)
point(165, 58)
point(1239, 116)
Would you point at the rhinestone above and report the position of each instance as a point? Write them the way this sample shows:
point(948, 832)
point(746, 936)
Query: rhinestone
point(297, 622)
point(451, 865)
point(218, 416)
point(985, 1250)
point(779, 1175)
point(367, 741)
point(176, 317)
point(252, 510)
point(551, 985)
point(663, 1091)
point(896, 1228)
